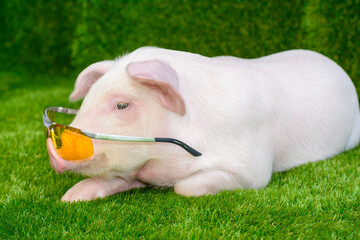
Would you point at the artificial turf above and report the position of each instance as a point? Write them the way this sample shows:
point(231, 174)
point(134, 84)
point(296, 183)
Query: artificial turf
point(314, 201)
point(43, 42)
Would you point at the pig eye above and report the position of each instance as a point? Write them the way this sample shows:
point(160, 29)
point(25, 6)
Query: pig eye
point(122, 105)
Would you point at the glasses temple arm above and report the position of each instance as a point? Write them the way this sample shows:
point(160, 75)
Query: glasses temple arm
point(181, 144)
point(48, 122)
point(61, 110)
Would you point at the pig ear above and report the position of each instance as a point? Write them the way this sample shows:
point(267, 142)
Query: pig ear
point(162, 78)
point(88, 77)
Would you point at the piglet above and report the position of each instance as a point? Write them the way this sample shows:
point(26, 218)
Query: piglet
point(248, 118)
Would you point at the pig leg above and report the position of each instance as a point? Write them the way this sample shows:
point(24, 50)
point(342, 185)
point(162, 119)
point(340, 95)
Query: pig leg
point(210, 182)
point(98, 187)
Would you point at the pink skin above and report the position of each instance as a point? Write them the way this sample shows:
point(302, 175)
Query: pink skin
point(92, 74)
point(161, 75)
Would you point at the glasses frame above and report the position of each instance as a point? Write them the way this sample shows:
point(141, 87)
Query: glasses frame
point(48, 123)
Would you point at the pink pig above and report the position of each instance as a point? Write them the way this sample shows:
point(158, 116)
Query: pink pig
point(248, 118)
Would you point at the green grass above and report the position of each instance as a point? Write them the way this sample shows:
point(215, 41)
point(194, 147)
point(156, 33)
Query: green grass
point(315, 201)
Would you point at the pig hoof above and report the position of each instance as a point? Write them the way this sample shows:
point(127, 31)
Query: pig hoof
point(70, 196)
point(75, 194)
point(86, 190)
point(92, 188)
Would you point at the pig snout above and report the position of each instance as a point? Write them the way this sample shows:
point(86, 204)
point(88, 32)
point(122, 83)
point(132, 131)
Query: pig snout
point(56, 161)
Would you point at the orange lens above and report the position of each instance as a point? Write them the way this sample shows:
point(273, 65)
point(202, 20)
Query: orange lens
point(70, 143)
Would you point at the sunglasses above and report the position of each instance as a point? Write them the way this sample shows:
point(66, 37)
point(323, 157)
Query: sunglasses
point(73, 144)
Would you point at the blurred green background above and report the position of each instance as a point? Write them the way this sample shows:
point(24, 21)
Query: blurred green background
point(62, 36)
point(45, 44)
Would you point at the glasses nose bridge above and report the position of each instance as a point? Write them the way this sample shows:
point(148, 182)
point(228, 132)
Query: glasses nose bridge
point(46, 132)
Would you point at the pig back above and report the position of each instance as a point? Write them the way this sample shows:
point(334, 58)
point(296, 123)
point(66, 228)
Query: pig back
point(301, 104)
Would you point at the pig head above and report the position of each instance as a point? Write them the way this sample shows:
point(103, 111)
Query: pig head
point(150, 91)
